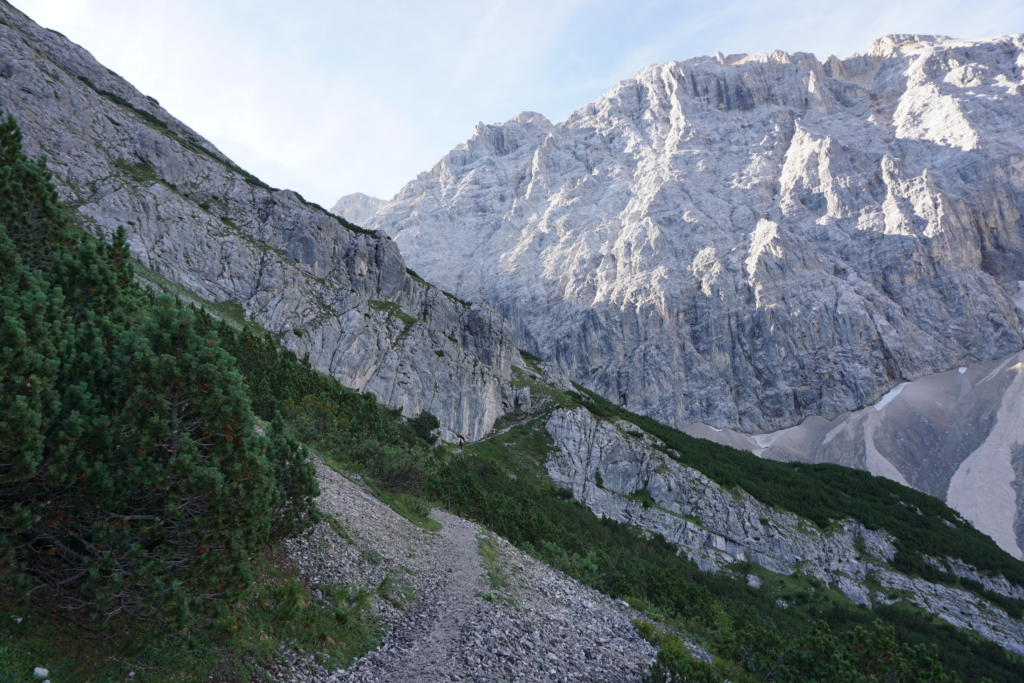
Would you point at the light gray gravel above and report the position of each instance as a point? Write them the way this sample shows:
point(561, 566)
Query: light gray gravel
point(543, 626)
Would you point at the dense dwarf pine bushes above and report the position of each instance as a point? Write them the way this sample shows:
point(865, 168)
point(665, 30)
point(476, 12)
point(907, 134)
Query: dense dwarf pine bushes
point(131, 477)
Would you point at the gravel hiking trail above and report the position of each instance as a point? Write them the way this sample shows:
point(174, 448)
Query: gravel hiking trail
point(510, 618)
point(434, 637)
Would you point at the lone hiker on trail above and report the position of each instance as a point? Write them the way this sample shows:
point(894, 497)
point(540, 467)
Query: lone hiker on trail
point(462, 442)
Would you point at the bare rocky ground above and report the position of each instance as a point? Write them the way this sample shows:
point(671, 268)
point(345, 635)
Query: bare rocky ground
point(457, 618)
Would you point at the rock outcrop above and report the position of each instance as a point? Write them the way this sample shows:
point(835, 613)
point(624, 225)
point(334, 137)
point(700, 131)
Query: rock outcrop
point(607, 464)
point(358, 208)
point(327, 288)
point(748, 241)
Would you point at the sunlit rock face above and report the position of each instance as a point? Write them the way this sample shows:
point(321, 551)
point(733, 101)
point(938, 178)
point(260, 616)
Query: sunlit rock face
point(340, 294)
point(747, 241)
point(358, 208)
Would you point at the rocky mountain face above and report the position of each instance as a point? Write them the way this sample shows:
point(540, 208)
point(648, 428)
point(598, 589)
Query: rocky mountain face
point(605, 464)
point(746, 241)
point(358, 208)
point(339, 293)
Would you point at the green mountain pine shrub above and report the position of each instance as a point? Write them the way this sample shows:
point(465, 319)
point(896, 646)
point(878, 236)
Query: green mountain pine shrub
point(132, 480)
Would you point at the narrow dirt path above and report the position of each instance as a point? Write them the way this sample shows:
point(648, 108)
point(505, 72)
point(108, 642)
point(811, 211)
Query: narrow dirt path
point(534, 624)
point(434, 637)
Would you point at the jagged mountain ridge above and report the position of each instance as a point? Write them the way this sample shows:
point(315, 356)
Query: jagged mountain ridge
point(332, 290)
point(747, 241)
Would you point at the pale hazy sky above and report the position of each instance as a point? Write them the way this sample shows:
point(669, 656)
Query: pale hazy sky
point(332, 97)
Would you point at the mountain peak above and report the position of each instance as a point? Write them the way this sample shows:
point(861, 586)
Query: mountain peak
point(357, 208)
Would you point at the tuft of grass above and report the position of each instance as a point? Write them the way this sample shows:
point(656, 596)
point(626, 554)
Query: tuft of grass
point(488, 548)
point(494, 572)
point(394, 310)
point(398, 590)
point(338, 527)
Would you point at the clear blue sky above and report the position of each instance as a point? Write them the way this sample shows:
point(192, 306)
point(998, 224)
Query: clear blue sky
point(331, 97)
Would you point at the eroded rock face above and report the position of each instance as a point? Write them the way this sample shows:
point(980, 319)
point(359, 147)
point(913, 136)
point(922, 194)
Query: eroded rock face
point(341, 294)
point(606, 466)
point(752, 240)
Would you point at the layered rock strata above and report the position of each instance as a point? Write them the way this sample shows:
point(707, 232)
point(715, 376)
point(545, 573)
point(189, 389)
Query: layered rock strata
point(747, 241)
point(341, 294)
point(624, 476)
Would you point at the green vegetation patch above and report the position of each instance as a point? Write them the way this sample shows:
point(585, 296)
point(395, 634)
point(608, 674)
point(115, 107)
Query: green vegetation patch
point(533, 362)
point(397, 589)
point(244, 638)
point(394, 310)
point(338, 527)
point(140, 172)
point(498, 582)
point(462, 302)
point(643, 497)
point(230, 312)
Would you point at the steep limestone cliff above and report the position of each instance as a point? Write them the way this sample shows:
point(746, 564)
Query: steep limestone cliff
point(747, 241)
point(337, 292)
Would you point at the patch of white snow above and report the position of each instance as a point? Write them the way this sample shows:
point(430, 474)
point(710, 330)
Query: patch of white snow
point(961, 370)
point(766, 440)
point(887, 399)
